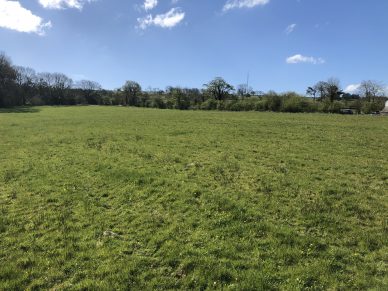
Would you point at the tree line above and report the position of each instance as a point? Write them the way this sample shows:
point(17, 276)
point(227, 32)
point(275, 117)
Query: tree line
point(21, 86)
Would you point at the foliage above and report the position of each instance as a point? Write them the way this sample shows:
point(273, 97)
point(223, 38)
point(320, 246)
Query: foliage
point(7, 82)
point(326, 90)
point(131, 90)
point(23, 86)
point(219, 89)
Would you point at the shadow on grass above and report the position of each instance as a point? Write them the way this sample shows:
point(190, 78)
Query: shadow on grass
point(22, 109)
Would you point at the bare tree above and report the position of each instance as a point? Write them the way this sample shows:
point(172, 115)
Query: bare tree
point(26, 78)
point(55, 86)
point(371, 90)
point(244, 90)
point(44, 83)
point(7, 80)
point(61, 85)
point(88, 85)
point(89, 90)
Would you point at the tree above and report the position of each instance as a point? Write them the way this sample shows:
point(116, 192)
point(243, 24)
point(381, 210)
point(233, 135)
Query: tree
point(7, 81)
point(219, 89)
point(131, 91)
point(179, 97)
point(195, 95)
point(333, 89)
point(89, 90)
point(61, 85)
point(371, 89)
point(26, 78)
point(330, 90)
point(244, 90)
point(312, 91)
point(320, 89)
point(43, 86)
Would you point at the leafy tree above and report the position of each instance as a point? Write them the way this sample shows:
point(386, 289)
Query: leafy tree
point(320, 89)
point(195, 96)
point(218, 88)
point(180, 98)
point(330, 90)
point(312, 91)
point(131, 91)
point(333, 89)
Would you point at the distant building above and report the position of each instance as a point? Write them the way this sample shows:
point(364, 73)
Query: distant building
point(385, 110)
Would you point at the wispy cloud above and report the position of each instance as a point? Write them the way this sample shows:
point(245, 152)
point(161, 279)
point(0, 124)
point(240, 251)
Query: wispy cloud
point(14, 16)
point(296, 59)
point(290, 29)
point(150, 4)
point(233, 4)
point(167, 20)
point(63, 4)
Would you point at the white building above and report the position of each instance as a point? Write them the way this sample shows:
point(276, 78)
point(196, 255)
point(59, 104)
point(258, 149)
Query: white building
point(385, 110)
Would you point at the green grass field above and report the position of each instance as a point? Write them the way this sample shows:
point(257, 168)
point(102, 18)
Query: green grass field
point(125, 198)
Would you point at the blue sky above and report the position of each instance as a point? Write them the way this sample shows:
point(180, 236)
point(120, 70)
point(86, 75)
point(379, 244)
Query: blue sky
point(283, 44)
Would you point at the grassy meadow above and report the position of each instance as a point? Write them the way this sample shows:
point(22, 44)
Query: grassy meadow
point(128, 198)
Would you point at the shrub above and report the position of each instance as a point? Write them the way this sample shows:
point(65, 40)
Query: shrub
point(293, 104)
point(273, 101)
point(209, 104)
point(369, 107)
point(36, 101)
point(158, 102)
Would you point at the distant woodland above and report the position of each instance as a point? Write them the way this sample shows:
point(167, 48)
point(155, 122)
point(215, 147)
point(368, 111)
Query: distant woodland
point(22, 86)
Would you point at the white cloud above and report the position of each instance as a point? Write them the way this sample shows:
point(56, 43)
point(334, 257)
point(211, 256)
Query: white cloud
point(290, 29)
point(232, 4)
point(150, 4)
point(296, 59)
point(14, 16)
point(167, 20)
point(62, 4)
point(352, 88)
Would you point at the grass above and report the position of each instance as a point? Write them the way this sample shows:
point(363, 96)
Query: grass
point(125, 198)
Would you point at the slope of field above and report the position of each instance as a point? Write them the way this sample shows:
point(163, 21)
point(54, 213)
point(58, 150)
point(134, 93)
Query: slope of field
point(114, 197)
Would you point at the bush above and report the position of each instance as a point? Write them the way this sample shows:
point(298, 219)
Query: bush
point(158, 102)
point(261, 105)
point(36, 101)
point(369, 107)
point(273, 102)
point(209, 104)
point(293, 104)
point(299, 104)
point(331, 107)
point(106, 100)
